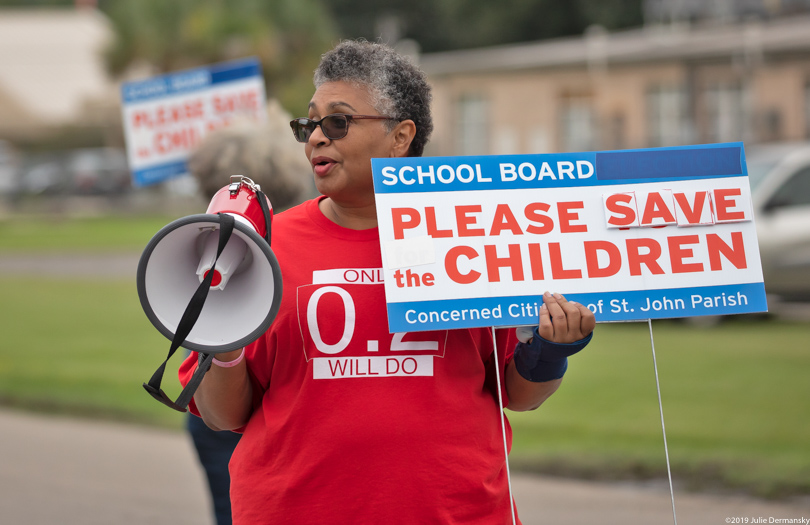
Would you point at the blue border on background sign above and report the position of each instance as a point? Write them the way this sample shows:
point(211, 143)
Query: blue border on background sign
point(607, 307)
point(190, 80)
point(482, 173)
point(155, 174)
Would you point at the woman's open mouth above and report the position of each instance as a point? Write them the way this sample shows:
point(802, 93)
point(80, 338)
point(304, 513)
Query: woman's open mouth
point(322, 165)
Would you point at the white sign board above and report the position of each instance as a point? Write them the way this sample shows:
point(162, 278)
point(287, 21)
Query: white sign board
point(166, 116)
point(636, 234)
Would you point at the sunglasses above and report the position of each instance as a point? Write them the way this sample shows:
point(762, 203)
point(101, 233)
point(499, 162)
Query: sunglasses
point(334, 127)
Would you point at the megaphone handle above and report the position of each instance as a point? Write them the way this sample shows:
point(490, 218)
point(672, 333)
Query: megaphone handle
point(266, 213)
point(187, 322)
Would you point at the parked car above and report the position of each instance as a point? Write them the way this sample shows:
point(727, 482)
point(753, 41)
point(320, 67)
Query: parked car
point(9, 165)
point(779, 175)
point(85, 171)
point(43, 174)
point(98, 171)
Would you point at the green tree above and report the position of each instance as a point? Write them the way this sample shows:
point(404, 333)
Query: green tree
point(456, 24)
point(613, 14)
point(36, 3)
point(288, 37)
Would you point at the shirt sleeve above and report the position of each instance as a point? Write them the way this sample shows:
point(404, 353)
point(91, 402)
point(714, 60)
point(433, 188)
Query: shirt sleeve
point(189, 365)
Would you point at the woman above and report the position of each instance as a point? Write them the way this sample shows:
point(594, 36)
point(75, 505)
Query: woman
point(327, 437)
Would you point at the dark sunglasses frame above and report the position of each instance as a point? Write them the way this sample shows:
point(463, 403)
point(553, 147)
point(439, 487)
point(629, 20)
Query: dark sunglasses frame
point(303, 128)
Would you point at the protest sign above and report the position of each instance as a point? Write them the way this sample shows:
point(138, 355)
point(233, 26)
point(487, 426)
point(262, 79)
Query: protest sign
point(166, 116)
point(635, 234)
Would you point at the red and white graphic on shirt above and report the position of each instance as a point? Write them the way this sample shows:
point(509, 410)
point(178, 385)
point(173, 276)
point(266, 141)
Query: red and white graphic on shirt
point(340, 347)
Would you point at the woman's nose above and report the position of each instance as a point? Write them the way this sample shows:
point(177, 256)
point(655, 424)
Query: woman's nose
point(318, 137)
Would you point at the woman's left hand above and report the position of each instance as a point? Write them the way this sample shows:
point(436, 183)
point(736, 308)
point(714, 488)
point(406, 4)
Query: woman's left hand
point(562, 321)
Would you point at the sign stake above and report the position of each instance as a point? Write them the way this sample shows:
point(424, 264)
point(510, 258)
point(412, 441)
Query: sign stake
point(663, 427)
point(503, 426)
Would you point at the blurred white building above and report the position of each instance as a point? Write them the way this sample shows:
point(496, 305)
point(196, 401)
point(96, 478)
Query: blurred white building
point(52, 70)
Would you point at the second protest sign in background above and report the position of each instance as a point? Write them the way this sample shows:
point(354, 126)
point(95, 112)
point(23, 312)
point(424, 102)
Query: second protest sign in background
point(636, 234)
point(166, 117)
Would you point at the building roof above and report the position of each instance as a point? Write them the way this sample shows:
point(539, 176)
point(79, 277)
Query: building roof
point(50, 61)
point(648, 44)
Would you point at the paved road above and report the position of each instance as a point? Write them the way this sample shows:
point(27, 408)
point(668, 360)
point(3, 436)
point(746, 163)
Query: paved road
point(57, 470)
point(97, 265)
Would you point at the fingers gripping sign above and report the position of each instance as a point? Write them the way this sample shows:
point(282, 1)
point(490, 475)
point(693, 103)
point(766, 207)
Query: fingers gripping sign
point(564, 329)
point(562, 321)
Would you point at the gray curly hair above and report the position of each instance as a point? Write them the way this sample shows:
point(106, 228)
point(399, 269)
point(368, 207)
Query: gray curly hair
point(398, 88)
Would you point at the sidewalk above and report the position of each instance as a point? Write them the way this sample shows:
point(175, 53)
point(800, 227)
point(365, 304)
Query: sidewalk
point(57, 470)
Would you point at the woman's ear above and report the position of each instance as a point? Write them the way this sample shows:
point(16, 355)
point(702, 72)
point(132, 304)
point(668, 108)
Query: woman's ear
point(402, 136)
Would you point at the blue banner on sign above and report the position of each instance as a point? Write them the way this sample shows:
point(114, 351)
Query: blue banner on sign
point(557, 170)
point(189, 81)
point(669, 164)
point(609, 306)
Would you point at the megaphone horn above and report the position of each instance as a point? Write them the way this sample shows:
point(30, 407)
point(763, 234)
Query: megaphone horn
point(210, 282)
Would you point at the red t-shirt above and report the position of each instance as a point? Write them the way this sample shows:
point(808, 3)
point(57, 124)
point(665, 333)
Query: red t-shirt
point(356, 425)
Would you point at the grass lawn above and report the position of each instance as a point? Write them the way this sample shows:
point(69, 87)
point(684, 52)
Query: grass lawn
point(736, 396)
point(56, 234)
point(84, 347)
point(736, 402)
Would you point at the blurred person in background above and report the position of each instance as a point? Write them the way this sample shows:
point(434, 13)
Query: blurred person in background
point(265, 153)
point(380, 448)
point(272, 159)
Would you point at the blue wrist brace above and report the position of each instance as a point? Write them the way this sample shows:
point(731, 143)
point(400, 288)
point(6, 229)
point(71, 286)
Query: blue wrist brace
point(543, 360)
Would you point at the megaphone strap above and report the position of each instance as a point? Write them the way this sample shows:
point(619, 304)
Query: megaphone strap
point(187, 322)
point(182, 401)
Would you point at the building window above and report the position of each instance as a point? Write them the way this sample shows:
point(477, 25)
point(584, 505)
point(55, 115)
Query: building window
point(473, 125)
point(613, 132)
point(539, 139)
point(667, 116)
point(578, 131)
point(726, 112)
point(769, 125)
point(807, 109)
